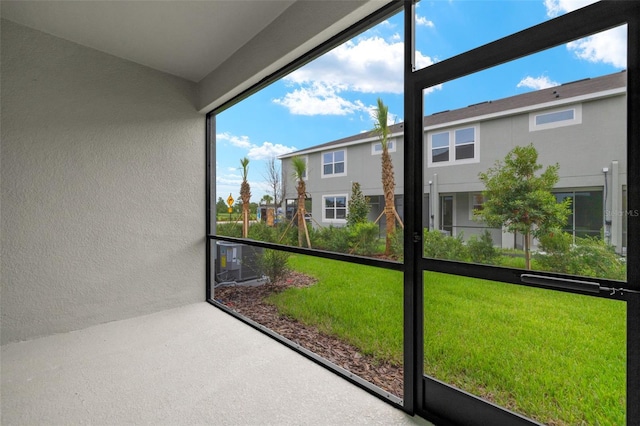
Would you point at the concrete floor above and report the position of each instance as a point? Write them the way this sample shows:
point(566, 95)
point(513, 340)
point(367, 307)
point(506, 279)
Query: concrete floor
point(191, 365)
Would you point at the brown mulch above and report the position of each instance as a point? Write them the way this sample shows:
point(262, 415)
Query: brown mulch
point(249, 301)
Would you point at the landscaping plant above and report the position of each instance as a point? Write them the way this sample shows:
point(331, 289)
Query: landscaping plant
point(440, 246)
point(358, 211)
point(381, 114)
point(589, 256)
point(481, 250)
point(245, 195)
point(519, 200)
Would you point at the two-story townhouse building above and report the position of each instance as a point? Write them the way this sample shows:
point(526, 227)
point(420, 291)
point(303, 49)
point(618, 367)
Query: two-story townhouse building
point(333, 167)
point(579, 125)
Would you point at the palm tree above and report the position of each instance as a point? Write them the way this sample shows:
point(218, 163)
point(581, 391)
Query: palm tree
point(381, 114)
point(245, 195)
point(299, 172)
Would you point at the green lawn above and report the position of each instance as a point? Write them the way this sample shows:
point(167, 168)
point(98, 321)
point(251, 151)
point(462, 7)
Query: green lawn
point(555, 357)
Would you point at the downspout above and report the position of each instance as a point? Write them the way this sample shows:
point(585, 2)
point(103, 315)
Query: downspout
point(615, 207)
point(430, 209)
point(435, 213)
point(606, 212)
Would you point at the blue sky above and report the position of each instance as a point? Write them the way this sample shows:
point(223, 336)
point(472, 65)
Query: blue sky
point(332, 97)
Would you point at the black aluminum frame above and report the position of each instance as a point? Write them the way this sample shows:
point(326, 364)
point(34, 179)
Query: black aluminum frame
point(437, 400)
point(425, 396)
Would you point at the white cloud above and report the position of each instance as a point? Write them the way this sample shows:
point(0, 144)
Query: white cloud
point(318, 99)
point(268, 150)
point(366, 65)
point(537, 83)
point(609, 47)
point(239, 141)
point(423, 21)
point(230, 179)
point(230, 184)
point(255, 152)
point(559, 7)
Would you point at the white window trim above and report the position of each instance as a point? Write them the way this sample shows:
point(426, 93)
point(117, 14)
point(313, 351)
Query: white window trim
point(452, 147)
point(577, 118)
point(333, 174)
point(324, 211)
point(391, 149)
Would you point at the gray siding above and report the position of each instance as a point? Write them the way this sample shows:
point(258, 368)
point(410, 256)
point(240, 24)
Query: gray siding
point(361, 167)
point(582, 150)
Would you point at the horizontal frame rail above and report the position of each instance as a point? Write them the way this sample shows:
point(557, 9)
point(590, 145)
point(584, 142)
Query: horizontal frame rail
point(608, 289)
point(361, 260)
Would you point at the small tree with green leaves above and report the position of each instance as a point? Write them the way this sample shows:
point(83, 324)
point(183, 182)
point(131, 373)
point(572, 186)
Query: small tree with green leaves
point(358, 206)
point(221, 206)
point(520, 200)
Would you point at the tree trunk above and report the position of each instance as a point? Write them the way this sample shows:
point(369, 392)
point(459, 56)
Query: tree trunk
point(302, 190)
point(245, 196)
point(245, 221)
point(527, 251)
point(388, 186)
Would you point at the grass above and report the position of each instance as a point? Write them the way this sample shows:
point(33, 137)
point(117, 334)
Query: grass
point(346, 303)
point(233, 217)
point(556, 357)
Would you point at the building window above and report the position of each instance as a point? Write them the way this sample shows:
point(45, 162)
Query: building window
point(334, 163)
point(465, 142)
point(376, 147)
point(440, 147)
point(334, 208)
point(586, 218)
point(455, 146)
point(476, 201)
point(555, 118)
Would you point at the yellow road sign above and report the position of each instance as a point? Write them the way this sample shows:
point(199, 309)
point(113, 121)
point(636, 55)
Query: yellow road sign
point(230, 200)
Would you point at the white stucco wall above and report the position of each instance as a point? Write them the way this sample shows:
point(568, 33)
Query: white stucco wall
point(102, 174)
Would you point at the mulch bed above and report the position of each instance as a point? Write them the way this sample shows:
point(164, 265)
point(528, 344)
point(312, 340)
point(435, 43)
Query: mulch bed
point(250, 302)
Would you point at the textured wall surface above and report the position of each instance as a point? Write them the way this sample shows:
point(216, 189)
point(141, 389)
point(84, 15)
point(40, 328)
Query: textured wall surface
point(102, 168)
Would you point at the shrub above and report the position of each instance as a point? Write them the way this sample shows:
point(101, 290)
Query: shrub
point(363, 238)
point(589, 256)
point(286, 234)
point(397, 244)
point(262, 232)
point(556, 254)
point(274, 264)
point(229, 229)
point(599, 259)
point(331, 238)
point(439, 246)
point(481, 250)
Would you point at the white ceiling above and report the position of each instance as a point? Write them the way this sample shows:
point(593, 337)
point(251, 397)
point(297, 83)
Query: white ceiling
point(188, 39)
point(224, 46)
